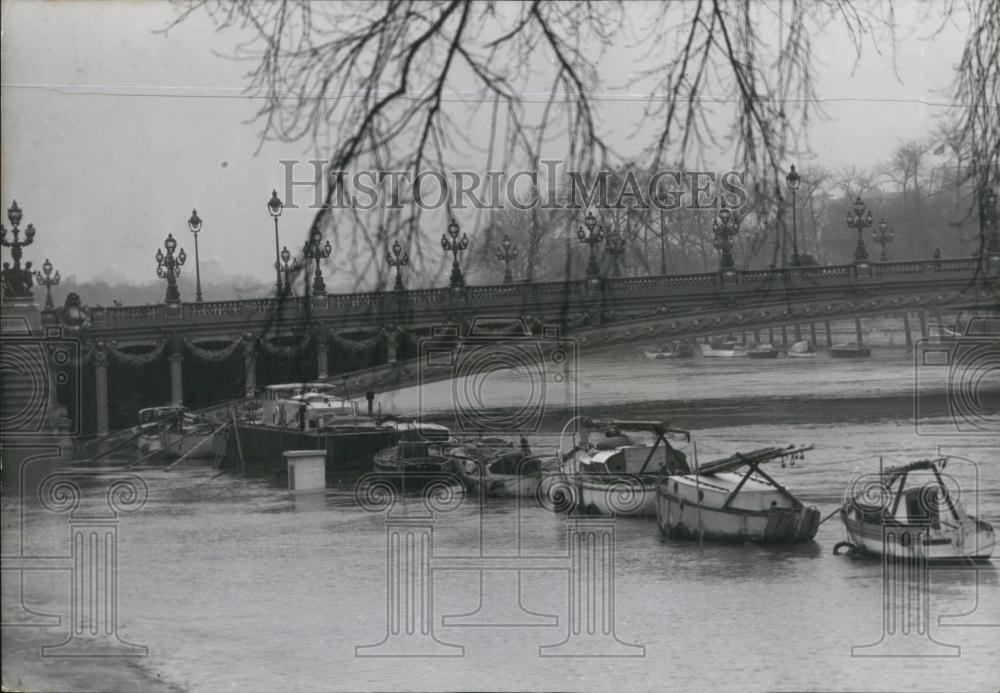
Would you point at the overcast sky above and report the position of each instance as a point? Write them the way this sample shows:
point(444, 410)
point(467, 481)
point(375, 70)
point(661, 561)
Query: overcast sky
point(112, 132)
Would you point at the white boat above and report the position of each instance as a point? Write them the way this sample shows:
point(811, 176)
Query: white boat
point(616, 474)
point(673, 350)
point(510, 473)
point(723, 349)
point(802, 350)
point(719, 503)
point(913, 514)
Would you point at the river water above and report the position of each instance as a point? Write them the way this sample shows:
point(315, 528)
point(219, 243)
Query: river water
point(235, 584)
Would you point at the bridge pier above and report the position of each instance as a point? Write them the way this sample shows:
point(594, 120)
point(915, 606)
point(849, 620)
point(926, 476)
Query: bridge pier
point(176, 377)
point(770, 336)
point(829, 336)
point(784, 336)
point(812, 333)
point(322, 359)
point(798, 332)
point(250, 365)
point(923, 323)
point(756, 336)
point(101, 388)
point(906, 332)
point(857, 331)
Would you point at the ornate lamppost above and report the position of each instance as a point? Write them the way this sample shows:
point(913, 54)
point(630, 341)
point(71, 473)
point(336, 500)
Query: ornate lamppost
point(194, 223)
point(401, 260)
point(454, 245)
point(274, 207)
point(17, 281)
point(287, 267)
point(506, 253)
point(314, 251)
point(48, 280)
point(592, 237)
point(615, 247)
point(883, 235)
point(793, 179)
point(725, 226)
point(859, 220)
point(169, 267)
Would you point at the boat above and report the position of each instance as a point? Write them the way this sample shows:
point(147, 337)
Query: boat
point(412, 465)
point(802, 350)
point(734, 500)
point(850, 350)
point(762, 351)
point(176, 432)
point(672, 350)
point(507, 473)
point(314, 415)
point(728, 348)
point(616, 473)
point(913, 514)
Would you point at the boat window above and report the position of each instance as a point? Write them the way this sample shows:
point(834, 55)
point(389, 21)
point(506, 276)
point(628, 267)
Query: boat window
point(514, 463)
point(922, 506)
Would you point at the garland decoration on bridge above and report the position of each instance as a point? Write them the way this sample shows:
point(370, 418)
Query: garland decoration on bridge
point(137, 359)
point(213, 355)
point(282, 350)
point(390, 333)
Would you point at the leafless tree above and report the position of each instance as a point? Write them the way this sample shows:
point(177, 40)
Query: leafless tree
point(388, 85)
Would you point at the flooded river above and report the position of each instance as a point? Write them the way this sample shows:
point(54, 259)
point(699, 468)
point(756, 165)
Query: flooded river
point(235, 584)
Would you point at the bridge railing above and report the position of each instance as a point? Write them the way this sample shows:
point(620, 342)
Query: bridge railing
point(366, 303)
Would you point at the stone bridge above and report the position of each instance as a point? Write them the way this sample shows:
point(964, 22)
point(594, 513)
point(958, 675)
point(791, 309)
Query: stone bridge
point(369, 341)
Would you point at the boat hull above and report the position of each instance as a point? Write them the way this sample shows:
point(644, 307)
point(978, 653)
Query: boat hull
point(973, 540)
point(618, 498)
point(680, 520)
point(802, 354)
point(709, 352)
point(499, 485)
point(195, 446)
point(772, 354)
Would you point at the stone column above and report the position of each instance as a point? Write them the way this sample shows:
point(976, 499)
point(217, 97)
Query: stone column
point(392, 346)
point(176, 377)
point(250, 364)
point(322, 360)
point(101, 387)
